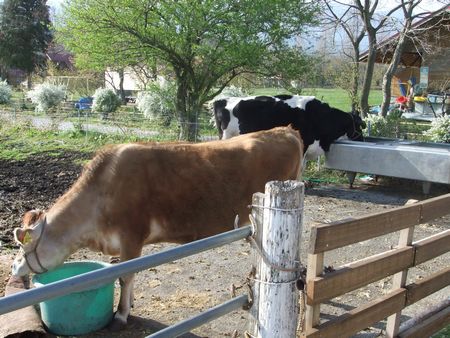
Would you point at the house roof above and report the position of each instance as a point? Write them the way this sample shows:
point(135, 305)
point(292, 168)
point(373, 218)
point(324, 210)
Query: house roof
point(430, 26)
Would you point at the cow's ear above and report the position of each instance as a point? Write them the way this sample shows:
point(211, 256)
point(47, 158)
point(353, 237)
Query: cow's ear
point(31, 217)
point(23, 236)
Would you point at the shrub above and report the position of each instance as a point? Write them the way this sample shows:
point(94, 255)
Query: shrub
point(158, 101)
point(389, 126)
point(5, 92)
point(440, 130)
point(105, 101)
point(47, 96)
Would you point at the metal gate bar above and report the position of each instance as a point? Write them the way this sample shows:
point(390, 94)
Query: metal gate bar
point(106, 275)
point(205, 317)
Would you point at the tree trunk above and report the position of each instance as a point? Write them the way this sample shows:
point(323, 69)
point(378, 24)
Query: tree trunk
point(189, 124)
point(188, 108)
point(387, 85)
point(365, 92)
point(387, 78)
point(355, 84)
point(121, 80)
point(29, 81)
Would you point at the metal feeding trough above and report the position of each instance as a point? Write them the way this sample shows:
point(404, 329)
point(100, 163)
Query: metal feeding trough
point(423, 161)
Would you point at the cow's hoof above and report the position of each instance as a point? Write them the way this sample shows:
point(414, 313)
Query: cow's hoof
point(117, 325)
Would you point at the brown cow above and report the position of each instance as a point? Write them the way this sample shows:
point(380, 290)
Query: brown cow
point(134, 194)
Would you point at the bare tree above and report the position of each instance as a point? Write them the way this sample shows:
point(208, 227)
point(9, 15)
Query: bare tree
point(360, 19)
point(373, 24)
point(349, 21)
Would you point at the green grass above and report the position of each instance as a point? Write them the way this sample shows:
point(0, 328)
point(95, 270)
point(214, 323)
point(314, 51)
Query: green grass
point(335, 97)
point(444, 333)
point(21, 141)
point(315, 172)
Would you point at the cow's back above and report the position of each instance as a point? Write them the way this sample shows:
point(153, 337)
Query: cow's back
point(189, 191)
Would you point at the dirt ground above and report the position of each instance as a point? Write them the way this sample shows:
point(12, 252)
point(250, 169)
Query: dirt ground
point(176, 291)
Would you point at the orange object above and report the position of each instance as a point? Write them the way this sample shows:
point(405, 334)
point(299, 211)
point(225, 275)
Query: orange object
point(401, 99)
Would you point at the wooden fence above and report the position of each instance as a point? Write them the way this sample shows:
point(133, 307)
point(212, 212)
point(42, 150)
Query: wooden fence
point(325, 286)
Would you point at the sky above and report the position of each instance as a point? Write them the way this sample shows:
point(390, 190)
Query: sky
point(318, 38)
point(54, 3)
point(426, 5)
point(429, 5)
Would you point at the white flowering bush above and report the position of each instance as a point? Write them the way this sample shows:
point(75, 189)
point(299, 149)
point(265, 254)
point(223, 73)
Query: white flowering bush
point(47, 96)
point(376, 125)
point(105, 101)
point(440, 130)
point(158, 101)
point(5, 92)
point(389, 126)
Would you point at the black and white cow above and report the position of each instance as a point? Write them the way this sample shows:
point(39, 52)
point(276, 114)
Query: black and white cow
point(318, 123)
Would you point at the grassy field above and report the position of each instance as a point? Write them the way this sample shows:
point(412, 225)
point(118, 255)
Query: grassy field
point(335, 97)
point(21, 141)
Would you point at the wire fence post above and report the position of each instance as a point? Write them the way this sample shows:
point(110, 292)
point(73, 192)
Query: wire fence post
point(278, 268)
point(86, 127)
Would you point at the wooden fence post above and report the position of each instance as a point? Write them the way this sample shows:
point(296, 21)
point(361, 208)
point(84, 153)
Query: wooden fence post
point(315, 268)
point(278, 266)
point(399, 279)
point(258, 217)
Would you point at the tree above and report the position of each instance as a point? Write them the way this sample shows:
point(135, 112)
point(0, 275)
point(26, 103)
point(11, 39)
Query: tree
point(205, 44)
point(373, 25)
point(350, 22)
point(100, 52)
point(24, 34)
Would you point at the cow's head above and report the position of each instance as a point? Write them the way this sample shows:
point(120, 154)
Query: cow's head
point(355, 131)
point(36, 253)
point(221, 115)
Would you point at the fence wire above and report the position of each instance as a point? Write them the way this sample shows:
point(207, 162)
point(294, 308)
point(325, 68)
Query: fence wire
point(127, 121)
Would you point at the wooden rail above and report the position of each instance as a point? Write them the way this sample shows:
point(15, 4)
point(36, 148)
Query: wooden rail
point(322, 287)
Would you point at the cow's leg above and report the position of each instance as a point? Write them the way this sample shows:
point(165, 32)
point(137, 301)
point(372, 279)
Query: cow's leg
point(126, 288)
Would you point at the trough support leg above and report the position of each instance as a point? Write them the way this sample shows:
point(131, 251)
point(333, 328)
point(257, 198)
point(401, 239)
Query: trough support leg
point(351, 177)
point(278, 261)
point(426, 187)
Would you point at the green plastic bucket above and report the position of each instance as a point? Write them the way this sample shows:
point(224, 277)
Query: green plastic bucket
point(79, 312)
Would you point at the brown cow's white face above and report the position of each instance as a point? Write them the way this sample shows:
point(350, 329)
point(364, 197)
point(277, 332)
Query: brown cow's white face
point(36, 254)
